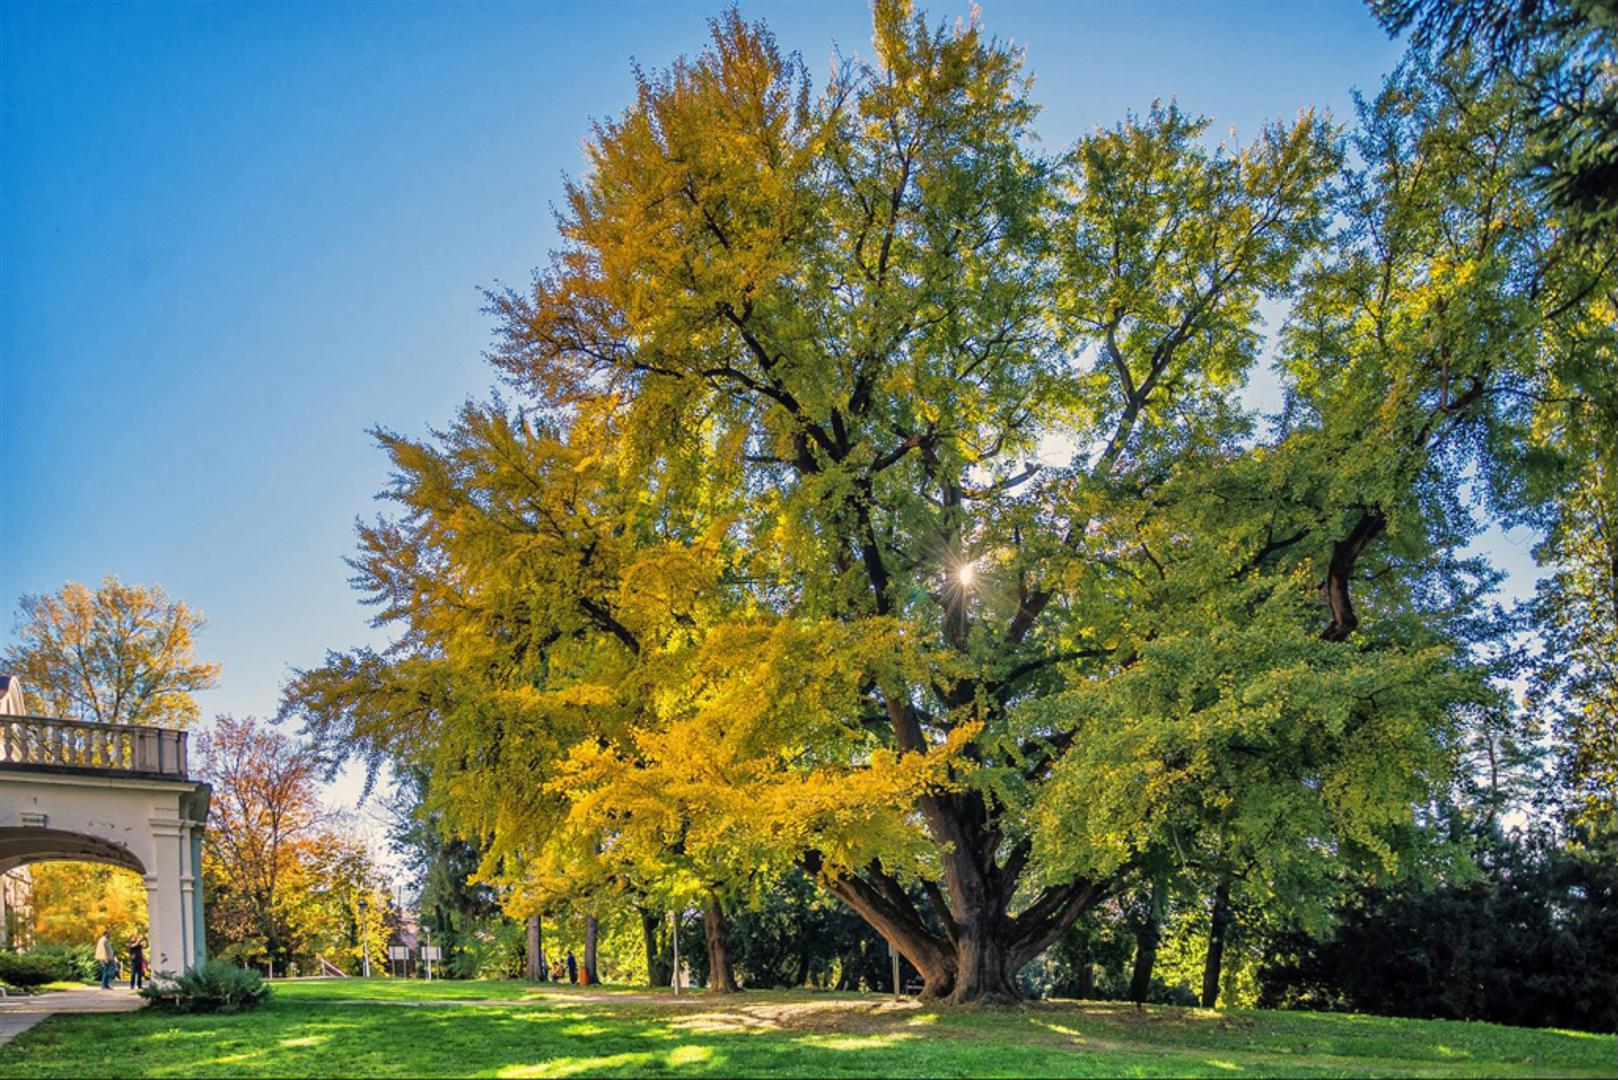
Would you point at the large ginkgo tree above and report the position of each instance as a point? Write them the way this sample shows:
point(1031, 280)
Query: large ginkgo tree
point(877, 497)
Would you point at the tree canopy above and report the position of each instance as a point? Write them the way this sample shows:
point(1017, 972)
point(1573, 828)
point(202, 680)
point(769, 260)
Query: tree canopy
point(120, 654)
point(284, 877)
point(879, 500)
point(1564, 54)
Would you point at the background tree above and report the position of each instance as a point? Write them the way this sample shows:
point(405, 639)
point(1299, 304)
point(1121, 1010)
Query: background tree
point(1574, 472)
point(1091, 962)
point(1529, 940)
point(453, 905)
point(265, 799)
point(120, 654)
point(1565, 53)
point(1575, 689)
point(283, 876)
point(70, 903)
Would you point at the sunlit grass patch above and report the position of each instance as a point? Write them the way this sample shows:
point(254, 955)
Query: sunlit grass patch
point(857, 1042)
point(580, 1066)
point(689, 1055)
point(1072, 1034)
point(413, 1029)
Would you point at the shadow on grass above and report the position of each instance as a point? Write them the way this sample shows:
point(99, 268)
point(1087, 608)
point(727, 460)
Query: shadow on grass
point(762, 1034)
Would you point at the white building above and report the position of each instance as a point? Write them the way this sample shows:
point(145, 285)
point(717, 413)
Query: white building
point(108, 793)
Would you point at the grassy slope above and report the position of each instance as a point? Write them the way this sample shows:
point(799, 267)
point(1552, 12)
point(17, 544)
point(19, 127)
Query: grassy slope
point(307, 1030)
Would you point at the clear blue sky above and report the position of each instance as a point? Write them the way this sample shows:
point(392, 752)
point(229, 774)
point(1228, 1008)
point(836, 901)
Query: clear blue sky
point(234, 236)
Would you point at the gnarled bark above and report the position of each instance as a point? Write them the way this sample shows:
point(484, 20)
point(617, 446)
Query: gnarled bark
point(975, 947)
point(716, 937)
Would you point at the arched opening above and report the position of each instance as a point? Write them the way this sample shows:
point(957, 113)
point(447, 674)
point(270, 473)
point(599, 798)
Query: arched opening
point(22, 846)
point(60, 889)
point(152, 829)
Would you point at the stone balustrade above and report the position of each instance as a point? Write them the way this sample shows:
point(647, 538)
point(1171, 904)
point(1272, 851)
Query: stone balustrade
point(33, 742)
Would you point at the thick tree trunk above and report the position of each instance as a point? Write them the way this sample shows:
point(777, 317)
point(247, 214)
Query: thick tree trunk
point(716, 936)
point(1147, 935)
point(984, 972)
point(592, 931)
point(983, 947)
point(1215, 959)
point(1140, 979)
point(801, 976)
point(659, 970)
point(536, 951)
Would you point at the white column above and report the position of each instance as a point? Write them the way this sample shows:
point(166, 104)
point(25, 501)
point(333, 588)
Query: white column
point(190, 892)
point(199, 924)
point(166, 898)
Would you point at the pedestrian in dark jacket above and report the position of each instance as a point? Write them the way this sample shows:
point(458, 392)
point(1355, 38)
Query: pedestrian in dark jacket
point(572, 969)
point(137, 962)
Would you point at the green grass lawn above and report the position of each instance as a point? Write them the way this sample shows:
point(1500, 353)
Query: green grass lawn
point(413, 1028)
point(47, 988)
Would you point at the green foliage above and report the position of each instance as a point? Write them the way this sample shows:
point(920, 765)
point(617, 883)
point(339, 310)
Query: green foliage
point(1573, 691)
point(879, 502)
point(1533, 942)
point(1575, 681)
point(453, 905)
point(1089, 963)
point(29, 970)
point(216, 986)
point(793, 935)
point(1565, 54)
point(492, 948)
point(71, 963)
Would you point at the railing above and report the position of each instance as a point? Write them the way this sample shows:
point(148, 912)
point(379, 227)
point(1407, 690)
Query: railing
point(38, 742)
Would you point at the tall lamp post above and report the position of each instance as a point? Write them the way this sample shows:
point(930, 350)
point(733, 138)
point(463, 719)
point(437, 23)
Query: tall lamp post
point(365, 942)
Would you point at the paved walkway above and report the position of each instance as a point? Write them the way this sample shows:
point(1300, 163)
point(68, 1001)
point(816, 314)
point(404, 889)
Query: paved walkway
point(18, 1014)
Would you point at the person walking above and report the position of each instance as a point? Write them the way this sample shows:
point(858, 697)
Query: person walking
point(572, 968)
point(137, 962)
point(106, 958)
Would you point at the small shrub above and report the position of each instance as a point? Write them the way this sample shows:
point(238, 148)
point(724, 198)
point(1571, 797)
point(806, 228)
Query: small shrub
point(73, 963)
point(214, 987)
point(26, 971)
